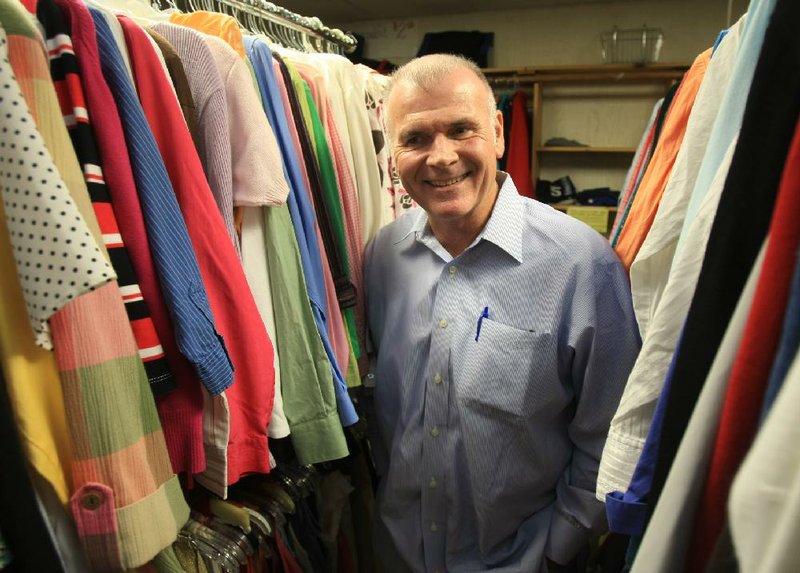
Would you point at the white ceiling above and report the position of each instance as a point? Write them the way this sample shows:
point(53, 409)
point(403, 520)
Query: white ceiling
point(339, 12)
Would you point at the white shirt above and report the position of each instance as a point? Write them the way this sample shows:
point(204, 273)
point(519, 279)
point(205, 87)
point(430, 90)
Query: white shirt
point(650, 269)
point(764, 501)
point(631, 423)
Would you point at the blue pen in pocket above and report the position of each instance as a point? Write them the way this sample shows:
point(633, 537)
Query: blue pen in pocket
point(484, 314)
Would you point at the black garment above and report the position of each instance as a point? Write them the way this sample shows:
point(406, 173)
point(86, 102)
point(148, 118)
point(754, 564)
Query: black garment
point(723, 560)
point(662, 112)
point(740, 224)
point(25, 530)
point(473, 45)
point(306, 527)
point(345, 291)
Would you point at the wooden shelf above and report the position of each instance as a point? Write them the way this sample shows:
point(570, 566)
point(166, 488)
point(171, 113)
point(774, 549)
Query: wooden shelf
point(580, 149)
point(597, 78)
point(587, 73)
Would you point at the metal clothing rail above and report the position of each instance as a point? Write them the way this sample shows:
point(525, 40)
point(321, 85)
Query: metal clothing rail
point(283, 26)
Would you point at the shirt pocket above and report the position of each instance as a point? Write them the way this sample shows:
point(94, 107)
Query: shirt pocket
point(505, 374)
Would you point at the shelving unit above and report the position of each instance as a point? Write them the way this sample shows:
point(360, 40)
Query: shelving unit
point(612, 144)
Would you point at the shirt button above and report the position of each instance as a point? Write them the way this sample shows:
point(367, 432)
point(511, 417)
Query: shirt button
point(435, 431)
point(91, 501)
point(434, 527)
point(433, 483)
point(437, 378)
point(443, 323)
point(452, 271)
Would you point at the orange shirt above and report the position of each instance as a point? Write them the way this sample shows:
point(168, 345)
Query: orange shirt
point(654, 181)
point(213, 24)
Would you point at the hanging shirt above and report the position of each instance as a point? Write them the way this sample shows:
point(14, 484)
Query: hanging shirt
point(302, 213)
point(492, 394)
point(310, 171)
point(257, 177)
point(119, 464)
point(518, 162)
point(729, 118)
point(308, 389)
point(648, 196)
point(639, 162)
point(256, 268)
point(181, 412)
point(650, 268)
point(214, 24)
point(172, 249)
point(393, 201)
point(765, 534)
point(180, 81)
point(66, 76)
point(30, 373)
point(249, 399)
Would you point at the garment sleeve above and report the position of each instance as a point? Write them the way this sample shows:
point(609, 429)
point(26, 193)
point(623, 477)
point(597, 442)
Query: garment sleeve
point(604, 342)
point(258, 178)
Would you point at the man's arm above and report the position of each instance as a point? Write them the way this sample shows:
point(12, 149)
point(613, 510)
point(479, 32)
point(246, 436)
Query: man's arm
point(605, 341)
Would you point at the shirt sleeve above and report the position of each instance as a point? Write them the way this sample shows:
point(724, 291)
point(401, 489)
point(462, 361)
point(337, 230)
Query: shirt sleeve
point(604, 340)
point(258, 178)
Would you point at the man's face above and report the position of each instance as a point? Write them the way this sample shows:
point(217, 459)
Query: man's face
point(446, 147)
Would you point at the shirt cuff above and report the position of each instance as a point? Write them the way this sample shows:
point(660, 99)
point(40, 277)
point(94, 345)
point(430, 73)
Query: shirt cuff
point(566, 539)
point(625, 515)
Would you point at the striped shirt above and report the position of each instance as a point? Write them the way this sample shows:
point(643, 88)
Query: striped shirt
point(172, 249)
point(497, 374)
point(67, 80)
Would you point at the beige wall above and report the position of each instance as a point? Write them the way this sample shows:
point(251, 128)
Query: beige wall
point(559, 35)
point(602, 116)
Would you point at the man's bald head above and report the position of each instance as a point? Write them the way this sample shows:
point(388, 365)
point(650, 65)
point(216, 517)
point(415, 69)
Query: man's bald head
point(428, 71)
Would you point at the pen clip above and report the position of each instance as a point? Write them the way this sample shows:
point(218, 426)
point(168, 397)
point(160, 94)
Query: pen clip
point(484, 314)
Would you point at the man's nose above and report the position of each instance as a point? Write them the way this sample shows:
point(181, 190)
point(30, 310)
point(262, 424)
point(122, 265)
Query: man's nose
point(442, 152)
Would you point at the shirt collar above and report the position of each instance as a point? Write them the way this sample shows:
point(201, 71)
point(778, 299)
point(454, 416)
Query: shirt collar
point(503, 229)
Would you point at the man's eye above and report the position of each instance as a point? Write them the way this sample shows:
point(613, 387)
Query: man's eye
point(460, 131)
point(413, 140)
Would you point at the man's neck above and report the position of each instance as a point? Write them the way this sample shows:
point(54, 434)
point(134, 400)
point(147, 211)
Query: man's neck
point(454, 240)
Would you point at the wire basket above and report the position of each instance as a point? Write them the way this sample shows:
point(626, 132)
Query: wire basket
point(636, 46)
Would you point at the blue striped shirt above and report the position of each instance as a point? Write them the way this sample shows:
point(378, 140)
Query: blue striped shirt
point(173, 254)
point(493, 419)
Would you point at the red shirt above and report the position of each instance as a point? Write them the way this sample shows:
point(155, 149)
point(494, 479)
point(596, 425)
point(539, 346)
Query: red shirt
point(236, 316)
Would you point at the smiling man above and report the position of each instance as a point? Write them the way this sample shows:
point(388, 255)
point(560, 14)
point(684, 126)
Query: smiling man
point(504, 335)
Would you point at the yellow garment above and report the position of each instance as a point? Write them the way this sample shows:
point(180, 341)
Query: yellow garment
point(213, 24)
point(34, 385)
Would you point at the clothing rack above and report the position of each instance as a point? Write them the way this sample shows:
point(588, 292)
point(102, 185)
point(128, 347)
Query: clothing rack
point(283, 26)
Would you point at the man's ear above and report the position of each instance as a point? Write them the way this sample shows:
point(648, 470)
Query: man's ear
point(499, 140)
